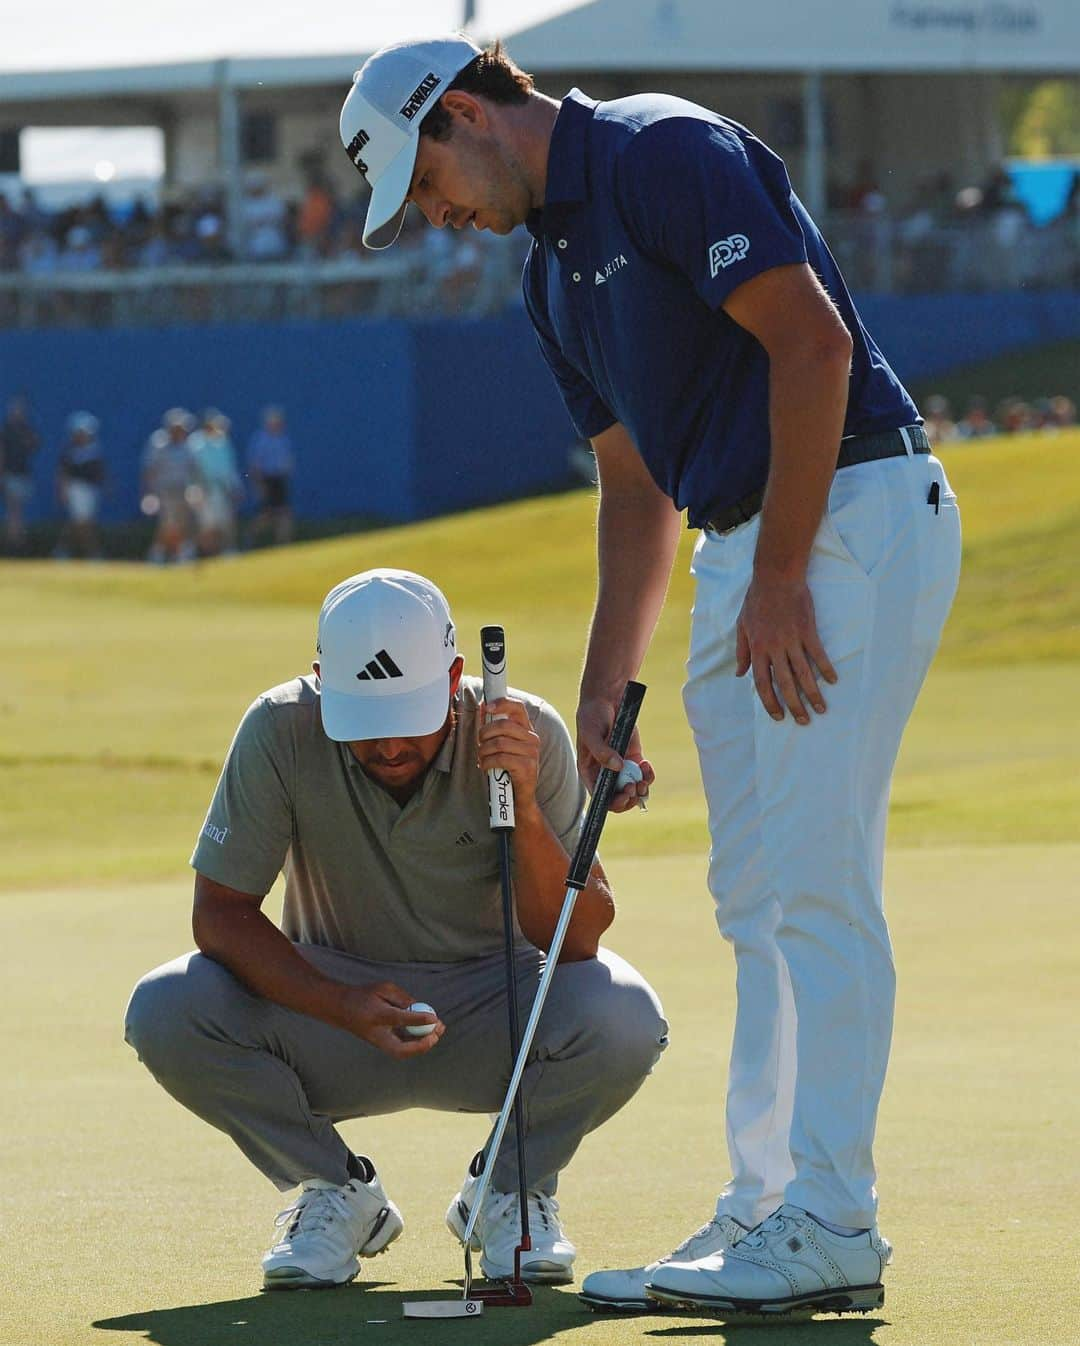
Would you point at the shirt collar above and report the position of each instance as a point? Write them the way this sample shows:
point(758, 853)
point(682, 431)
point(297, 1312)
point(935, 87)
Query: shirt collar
point(567, 177)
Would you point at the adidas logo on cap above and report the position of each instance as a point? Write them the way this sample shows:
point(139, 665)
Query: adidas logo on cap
point(382, 666)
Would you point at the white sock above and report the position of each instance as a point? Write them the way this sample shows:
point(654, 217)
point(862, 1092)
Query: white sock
point(844, 1230)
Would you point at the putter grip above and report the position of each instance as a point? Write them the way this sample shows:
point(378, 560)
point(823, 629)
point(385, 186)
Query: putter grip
point(500, 786)
point(621, 730)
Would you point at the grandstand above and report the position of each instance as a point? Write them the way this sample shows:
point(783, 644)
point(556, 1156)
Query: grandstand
point(249, 251)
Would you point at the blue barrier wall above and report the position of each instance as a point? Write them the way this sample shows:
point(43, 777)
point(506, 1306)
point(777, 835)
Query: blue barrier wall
point(405, 420)
point(389, 419)
point(925, 335)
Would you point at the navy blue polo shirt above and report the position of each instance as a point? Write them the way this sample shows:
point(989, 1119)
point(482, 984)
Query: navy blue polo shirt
point(655, 211)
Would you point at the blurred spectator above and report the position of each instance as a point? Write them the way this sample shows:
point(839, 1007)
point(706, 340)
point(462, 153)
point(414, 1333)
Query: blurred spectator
point(1062, 413)
point(976, 422)
point(317, 214)
point(80, 252)
point(12, 228)
point(168, 487)
point(19, 442)
point(866, 195)
point(938, 422)
point(80, 477)
point(38, 254)
point(270, 462)
point(263, 219)
point(1014, 416)
point(219, 489)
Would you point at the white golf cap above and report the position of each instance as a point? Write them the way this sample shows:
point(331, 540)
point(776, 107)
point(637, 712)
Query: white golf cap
point(386, 643)
point(391, 95)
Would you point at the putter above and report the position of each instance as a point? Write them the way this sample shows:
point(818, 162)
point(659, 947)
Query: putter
point(514, 1293)
point(576, 879)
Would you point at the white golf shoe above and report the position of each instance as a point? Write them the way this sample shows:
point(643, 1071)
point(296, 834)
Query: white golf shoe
point(787, 1263)
point(327, 1230)
point(625, 1290)
point(498, 1233)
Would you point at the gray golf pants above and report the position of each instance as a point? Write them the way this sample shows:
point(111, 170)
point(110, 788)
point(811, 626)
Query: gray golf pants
point(276, 1081)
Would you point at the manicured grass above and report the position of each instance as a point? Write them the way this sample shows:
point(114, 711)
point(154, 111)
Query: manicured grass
point(129, 1220)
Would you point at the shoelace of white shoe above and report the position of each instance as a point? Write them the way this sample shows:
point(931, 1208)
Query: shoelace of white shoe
point(313, 1212)
point(775, 1224)
point(500, 1204)
point(685, 1248)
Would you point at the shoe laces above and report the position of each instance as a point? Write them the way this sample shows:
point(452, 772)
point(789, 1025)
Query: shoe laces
point(314, 1210)
point(687, 1245)
point(501, 1205)
point(775, 1224)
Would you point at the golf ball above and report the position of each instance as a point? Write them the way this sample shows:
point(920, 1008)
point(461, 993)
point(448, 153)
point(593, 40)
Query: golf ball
point(420, 1030)
point(629, 775)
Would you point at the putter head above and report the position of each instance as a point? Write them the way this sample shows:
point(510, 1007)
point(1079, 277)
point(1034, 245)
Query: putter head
point(442, 1308)
point(504, 1295)
point(509, 1294)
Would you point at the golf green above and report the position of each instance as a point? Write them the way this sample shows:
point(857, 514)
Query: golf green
point(128, 1220)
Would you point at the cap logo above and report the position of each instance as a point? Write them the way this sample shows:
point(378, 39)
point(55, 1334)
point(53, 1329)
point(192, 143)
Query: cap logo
point(448, 637)
point(382, 666)
point(420, 95)
point(355, 146)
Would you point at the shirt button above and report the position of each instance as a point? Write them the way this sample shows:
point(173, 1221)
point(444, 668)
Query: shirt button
point(562, 242)
point(577, 275)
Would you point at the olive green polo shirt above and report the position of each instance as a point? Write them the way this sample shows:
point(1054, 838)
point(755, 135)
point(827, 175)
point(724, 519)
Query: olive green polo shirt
point(418, 883)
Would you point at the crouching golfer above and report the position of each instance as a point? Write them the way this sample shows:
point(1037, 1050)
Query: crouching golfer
point(366, 784)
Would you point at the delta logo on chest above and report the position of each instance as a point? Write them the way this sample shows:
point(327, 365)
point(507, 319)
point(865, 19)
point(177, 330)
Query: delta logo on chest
point(605, 273)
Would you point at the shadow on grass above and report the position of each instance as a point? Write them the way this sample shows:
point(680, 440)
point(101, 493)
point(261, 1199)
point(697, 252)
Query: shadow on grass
point(343, 1317)
point(812, 1332)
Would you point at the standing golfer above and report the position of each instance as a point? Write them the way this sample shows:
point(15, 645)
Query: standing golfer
point(367, 785)
point(704, 341)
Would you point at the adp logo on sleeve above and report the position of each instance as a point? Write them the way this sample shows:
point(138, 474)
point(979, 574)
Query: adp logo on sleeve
point(727, 250)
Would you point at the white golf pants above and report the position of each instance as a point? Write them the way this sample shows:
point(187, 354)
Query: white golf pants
point(797, 823)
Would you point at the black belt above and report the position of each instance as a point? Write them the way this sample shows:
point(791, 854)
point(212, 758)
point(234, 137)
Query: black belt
point(856, 449)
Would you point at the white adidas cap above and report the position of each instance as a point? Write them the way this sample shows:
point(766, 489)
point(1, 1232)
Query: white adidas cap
point(386, 643)
point(391, 95)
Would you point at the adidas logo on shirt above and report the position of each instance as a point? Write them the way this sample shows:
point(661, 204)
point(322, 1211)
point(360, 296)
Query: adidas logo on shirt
point(466, 839)
point(382, 666)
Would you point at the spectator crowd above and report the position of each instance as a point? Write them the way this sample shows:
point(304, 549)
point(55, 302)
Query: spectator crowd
point(97, 236)
point(191, 485)
point(945, 236)
point(1012, 416)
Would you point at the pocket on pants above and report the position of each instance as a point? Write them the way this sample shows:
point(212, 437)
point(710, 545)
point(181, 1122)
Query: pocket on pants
point(855, 524)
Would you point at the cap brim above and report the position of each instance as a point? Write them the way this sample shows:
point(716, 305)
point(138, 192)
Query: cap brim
point(386, 209)
point(348, 717)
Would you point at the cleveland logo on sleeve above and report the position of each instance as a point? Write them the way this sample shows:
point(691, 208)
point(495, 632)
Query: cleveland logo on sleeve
point(727, 250)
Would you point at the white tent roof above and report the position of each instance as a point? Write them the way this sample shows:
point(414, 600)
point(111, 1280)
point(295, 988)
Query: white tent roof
point(825, 35)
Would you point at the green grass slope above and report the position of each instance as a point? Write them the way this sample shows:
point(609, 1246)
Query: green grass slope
point(122, 683)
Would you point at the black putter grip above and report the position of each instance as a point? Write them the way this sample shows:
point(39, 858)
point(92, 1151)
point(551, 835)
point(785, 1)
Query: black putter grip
point(585, 852)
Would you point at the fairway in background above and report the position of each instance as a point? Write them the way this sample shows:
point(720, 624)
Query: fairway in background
point(124, 683)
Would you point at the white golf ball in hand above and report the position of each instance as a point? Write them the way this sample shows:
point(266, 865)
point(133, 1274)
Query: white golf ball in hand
point(420, 1030)
point(629, 775)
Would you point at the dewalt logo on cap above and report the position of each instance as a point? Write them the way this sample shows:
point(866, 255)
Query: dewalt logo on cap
point(420, 95)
